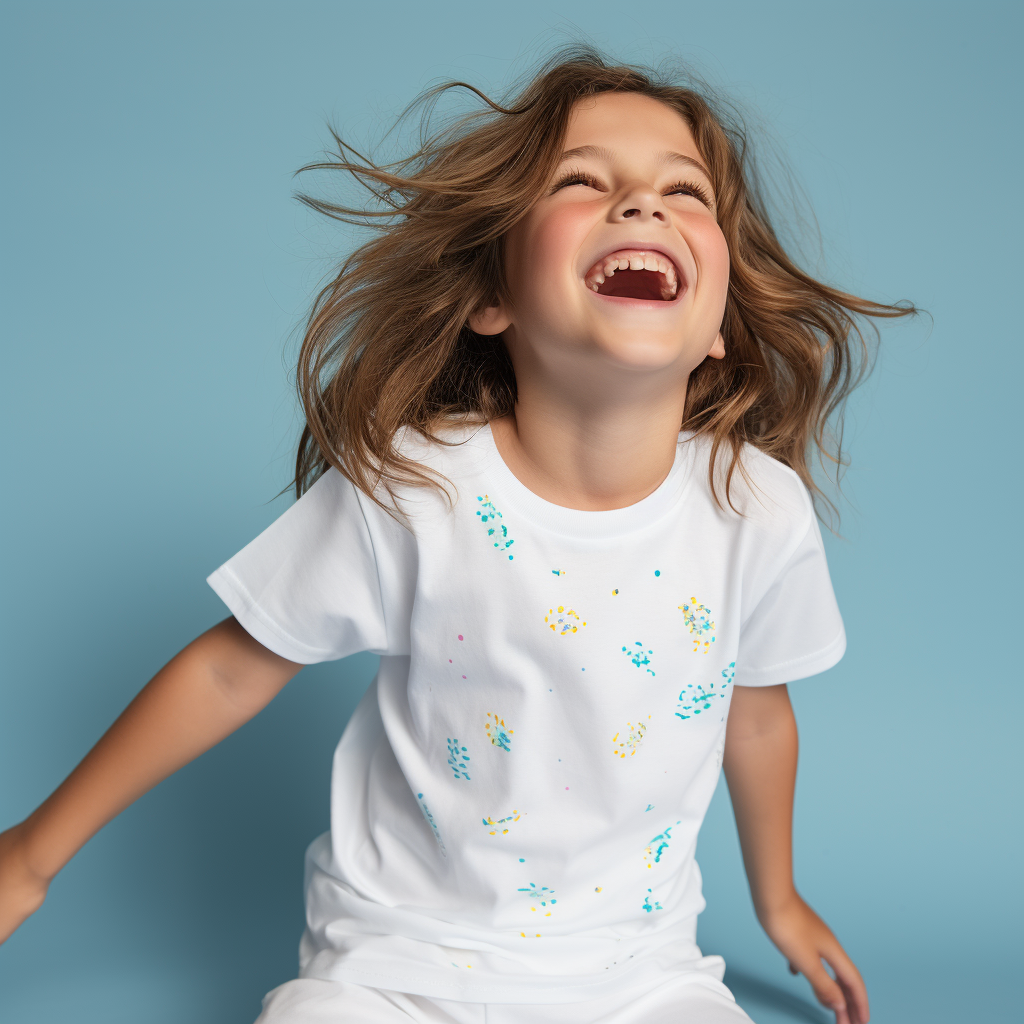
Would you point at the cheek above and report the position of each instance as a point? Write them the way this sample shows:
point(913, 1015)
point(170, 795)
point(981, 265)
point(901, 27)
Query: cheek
point(710, 249)
point(542, 256)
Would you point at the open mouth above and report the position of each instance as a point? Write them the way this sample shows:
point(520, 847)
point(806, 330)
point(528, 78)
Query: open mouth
point(634, 274)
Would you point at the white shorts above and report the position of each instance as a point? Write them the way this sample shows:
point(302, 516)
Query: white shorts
point(680, 1000)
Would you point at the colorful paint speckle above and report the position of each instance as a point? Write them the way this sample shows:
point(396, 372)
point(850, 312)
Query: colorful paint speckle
point(498, 733)
point(501, 826)
point(647, 903)
point(695, 698)
point(563, 621)
point(542, 895)
point(700, 624)
point(430, 821)
point(657, 846)
point(633, 736)
point(639, 657)
point(558, 572)
point(458, 759)
point(489, 514)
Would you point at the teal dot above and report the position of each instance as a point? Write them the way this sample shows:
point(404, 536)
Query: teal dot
point(522, 860)
point(657, 572)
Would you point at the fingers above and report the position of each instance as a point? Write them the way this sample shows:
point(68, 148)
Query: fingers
point(852, 984)
point(827, 991)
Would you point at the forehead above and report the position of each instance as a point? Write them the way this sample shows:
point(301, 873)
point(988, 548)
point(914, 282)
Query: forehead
point(629, 122)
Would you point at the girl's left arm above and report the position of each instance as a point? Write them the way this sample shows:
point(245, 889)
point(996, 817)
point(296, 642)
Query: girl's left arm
point(760, 768)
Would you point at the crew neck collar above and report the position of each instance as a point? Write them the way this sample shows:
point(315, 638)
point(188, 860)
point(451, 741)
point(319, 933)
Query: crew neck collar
point(516, 496)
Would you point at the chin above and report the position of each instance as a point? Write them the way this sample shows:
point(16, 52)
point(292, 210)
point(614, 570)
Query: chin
point(643, 353)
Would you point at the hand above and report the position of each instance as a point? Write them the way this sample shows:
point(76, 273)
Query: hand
point(805, 940)
point(22, 891)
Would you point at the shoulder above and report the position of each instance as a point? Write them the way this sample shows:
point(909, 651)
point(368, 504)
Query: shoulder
point(761, 493)
point(429, 470)
point(453, 443)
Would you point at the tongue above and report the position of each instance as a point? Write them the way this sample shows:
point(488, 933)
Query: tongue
point(633, 284)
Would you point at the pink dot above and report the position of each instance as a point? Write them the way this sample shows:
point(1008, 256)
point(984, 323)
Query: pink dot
point(449, 661)
point(566, 787)
point(463, 677)
point(460, 636)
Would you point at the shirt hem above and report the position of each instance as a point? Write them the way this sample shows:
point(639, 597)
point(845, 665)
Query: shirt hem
point(707, 970)
point(258, 624)
point(798, 668)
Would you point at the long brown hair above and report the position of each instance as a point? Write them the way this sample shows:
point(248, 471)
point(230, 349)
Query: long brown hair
point(387, 343)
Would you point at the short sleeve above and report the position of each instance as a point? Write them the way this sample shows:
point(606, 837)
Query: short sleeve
point(795, 630)
point(307, 587)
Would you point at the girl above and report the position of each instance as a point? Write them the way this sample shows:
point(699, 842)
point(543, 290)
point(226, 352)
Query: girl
point(559, 414)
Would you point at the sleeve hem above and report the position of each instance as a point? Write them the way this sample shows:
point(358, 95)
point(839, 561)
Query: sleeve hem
point(258, 624)
point(797, 668)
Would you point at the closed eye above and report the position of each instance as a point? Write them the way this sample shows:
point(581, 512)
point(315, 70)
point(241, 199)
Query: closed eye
point(577, 177)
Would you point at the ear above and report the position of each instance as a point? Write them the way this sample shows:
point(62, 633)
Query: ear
point(490, 320)
point(717, 350)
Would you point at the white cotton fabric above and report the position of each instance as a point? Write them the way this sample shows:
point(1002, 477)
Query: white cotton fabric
point(516, 800)
point(683, 999)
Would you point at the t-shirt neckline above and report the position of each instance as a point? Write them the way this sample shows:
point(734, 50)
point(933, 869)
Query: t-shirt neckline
point(579, 522)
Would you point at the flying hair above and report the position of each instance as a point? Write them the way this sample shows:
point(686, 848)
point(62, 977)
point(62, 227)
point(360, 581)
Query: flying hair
point(387, 345)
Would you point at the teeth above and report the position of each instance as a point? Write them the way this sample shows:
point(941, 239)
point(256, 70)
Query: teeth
point(652, 262)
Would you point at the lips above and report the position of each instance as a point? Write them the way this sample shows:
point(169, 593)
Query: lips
point(635, 273)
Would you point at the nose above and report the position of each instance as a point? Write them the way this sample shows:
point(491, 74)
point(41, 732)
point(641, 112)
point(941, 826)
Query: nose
point(640, 202)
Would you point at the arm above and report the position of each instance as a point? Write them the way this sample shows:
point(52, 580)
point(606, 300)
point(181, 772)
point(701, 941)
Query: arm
point(760, 768)
point(203, 694)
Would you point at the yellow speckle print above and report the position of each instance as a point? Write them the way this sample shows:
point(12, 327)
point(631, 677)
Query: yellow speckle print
point(631, 740)
point(698, 621)
point(501, 826)
point(498, 733)
point(563, 621)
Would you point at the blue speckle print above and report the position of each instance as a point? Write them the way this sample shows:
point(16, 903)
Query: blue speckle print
point(540, 894)
point(657, 846)
point(457, 758)
point(498, 531)
point(647, 904)
point(695, 698)
point(639, 656)
point(430, 821)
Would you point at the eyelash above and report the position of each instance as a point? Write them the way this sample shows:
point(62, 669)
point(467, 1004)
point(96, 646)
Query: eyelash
point(573, 177)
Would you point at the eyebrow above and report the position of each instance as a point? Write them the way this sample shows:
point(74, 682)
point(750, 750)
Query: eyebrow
point(668, 157)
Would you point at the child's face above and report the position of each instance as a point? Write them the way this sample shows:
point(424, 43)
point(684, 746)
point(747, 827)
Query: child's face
point(631, 191)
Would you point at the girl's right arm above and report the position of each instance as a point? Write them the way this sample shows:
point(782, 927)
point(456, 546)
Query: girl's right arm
point(203, 694)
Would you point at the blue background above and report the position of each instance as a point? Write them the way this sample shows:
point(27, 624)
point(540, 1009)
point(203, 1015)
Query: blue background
point(154, 271)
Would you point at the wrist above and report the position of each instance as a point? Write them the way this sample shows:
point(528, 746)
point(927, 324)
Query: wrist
point(770, 907)
point(39, 858)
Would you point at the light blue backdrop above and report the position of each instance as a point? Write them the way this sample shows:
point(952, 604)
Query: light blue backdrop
point(154, 268)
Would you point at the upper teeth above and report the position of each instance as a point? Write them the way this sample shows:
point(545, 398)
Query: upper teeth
point(632, 260)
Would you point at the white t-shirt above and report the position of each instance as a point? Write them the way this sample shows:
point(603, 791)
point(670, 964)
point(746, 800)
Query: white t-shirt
point(516, 800)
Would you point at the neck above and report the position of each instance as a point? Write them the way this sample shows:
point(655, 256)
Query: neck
point(591, 452)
